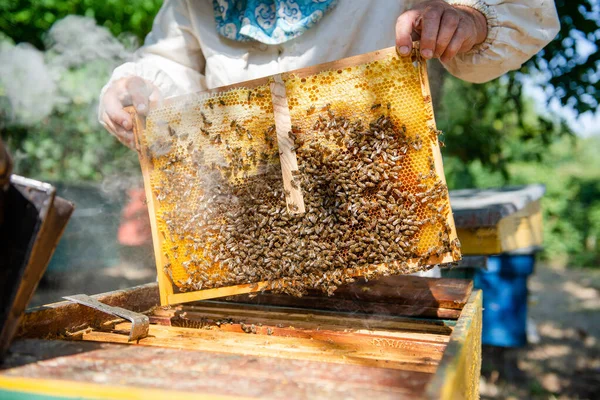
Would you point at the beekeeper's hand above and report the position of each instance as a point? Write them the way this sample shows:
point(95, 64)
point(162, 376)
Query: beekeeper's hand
point(130, 91)
point(444, 30)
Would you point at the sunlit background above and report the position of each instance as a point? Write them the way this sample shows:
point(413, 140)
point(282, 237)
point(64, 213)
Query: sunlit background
point(536, 125)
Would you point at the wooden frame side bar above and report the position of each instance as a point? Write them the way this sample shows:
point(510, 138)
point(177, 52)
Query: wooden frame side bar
point(458, 374)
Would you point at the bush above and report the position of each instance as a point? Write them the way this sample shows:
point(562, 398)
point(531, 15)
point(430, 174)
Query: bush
point(50, 113)
point(495, 137)
point(570, 170)
point(29, 20)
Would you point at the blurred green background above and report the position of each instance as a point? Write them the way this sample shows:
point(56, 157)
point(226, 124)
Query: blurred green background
point(495, 134)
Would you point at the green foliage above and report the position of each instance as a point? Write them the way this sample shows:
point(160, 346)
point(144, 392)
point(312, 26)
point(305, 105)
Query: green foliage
point(69, 147)
point(29, 20)
point(69, 144)
point(571, 173)
point(492, 125)
point(495, 138)
point(570, 170)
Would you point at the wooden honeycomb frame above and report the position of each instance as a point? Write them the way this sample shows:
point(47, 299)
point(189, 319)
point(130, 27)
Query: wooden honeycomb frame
point(298, 97)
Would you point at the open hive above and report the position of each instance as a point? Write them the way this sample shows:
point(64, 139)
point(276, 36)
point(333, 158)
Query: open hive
point(369, 174)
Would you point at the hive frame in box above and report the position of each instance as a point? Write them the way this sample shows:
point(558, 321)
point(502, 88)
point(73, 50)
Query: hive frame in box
point(168, 295)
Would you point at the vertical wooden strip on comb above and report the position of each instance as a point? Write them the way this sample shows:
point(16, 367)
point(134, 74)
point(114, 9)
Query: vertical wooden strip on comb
point(165, 286)
point(435, 147)
point(287, 157)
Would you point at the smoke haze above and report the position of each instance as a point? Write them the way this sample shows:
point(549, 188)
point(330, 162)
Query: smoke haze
point(35, 83)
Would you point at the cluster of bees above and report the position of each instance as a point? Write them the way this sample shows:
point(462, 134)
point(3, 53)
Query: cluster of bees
point(364, 208)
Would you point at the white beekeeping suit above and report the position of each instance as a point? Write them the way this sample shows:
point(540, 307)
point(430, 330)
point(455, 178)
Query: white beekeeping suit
point(184, 53)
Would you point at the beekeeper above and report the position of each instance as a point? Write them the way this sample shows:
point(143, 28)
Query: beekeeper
point(202, 44)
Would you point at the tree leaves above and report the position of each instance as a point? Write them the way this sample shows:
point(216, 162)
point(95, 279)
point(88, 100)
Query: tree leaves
point(28, 20)
point(572, 77)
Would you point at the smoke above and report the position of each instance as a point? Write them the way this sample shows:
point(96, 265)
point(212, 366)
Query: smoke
point(77, 62)
point(27, 84)
point(74, 41)
point(114, 185)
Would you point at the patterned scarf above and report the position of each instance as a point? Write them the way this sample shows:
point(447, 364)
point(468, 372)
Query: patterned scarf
point(268, 21)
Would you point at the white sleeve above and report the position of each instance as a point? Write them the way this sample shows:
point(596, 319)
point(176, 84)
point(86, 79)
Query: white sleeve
point(171, 57)
point(517, 30)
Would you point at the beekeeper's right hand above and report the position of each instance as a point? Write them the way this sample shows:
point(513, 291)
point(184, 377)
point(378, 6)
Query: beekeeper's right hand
point(131, 91)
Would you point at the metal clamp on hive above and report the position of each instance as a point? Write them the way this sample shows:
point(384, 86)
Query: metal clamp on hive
point(368, 165)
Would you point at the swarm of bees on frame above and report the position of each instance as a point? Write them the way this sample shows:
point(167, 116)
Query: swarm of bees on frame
point(365, 205)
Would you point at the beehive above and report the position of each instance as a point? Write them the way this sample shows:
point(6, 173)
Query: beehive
point(369, 170)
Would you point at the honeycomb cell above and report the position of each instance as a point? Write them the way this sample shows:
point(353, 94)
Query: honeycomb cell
point(364, 142)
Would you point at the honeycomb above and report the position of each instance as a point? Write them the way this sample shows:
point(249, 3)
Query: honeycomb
point(375, 197)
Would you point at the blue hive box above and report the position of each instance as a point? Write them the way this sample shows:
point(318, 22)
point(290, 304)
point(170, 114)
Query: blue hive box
point(504, 285)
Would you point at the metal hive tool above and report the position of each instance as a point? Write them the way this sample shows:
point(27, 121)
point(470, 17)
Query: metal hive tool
point(369, 176)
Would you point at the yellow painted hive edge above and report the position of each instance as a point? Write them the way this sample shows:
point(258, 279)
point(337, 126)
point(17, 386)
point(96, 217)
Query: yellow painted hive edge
point(57, 387)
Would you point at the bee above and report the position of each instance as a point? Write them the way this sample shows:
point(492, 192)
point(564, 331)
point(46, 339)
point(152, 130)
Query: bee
point(221, 102)
point(249, 95)
point(204, 131)
point(233, 123)
point(204, 119)
point(269, 141)
point(375, 106)
point(210, 104)
point(310, 110)
point(245, 328)
point(171, 130)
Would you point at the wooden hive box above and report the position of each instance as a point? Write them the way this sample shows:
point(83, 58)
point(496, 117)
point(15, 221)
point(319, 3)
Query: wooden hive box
point(406, 338)
point(303, 180)
point(499, 220)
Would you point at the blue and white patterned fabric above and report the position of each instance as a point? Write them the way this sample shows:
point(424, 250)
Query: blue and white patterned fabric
point(268, 21)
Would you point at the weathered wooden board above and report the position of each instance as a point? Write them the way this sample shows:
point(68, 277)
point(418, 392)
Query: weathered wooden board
point(229, 350)
point(98, 370)
point(392, 295)
point(54, 320)
point(405, 351)
point(396, 296)
point(211, 314)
